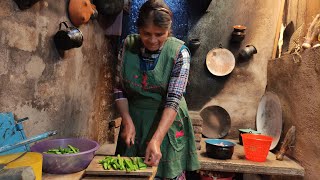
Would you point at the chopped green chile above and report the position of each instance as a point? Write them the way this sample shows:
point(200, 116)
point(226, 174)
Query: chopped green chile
point(120, 163)
point(68, 150)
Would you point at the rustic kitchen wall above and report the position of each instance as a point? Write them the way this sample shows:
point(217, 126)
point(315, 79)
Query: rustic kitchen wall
point(68, 92)
point(296, 80)
point(240, 92)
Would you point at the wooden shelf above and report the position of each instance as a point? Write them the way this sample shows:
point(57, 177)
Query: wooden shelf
point(239, 164)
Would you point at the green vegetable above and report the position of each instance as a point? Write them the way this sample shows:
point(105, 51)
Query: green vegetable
point(69, 150)
point(120, 163)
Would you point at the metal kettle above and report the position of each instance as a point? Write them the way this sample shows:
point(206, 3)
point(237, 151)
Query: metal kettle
point(68, 38)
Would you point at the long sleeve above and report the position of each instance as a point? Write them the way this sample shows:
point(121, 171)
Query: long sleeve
point(179, 79)
point(118, 90)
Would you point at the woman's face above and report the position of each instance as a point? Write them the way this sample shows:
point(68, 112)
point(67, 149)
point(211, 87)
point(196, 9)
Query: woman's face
point(153, 37)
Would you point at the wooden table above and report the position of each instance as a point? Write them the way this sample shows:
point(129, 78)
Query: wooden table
point(73, 176)
point(239, 164)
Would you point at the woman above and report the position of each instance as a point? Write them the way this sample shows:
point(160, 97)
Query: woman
point(153, 72)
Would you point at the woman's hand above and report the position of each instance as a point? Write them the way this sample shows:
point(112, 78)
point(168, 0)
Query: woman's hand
point(128, 133)
point(153, 153)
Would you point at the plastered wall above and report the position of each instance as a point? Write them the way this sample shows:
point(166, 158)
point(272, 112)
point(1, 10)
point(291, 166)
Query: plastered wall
point(68, 92)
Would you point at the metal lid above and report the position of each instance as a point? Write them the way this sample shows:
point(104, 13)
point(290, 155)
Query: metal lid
point(269, 117)
point(216, 122)
point(220, 61)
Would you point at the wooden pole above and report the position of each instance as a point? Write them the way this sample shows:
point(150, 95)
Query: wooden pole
point(276, 39)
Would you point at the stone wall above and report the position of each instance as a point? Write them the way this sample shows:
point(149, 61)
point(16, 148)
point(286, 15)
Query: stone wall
point(69, 92)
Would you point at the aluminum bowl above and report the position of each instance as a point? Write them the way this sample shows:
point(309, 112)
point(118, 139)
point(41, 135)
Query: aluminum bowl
point(244, 131)
point(66, 163)
point(219, 148)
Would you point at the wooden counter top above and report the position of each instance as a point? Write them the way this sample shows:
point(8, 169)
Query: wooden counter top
point(73, 176)
point(239, 164)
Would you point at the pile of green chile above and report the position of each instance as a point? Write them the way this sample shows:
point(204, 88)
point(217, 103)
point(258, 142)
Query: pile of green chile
point(68, 150)
point(120, 163)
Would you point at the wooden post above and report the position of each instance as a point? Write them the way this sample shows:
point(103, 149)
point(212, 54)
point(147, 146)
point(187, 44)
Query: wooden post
point(21, 173)
point(276, 39)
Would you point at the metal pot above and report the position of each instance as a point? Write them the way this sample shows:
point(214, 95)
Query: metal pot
point(220, 61)
point(248, 52)
point(109, 7)
point(193, 45)
point(219, 148)
point(25, 4)
point(70, 37)
point(244, 131)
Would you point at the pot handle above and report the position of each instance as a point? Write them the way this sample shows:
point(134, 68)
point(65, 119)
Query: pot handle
point(65, 24)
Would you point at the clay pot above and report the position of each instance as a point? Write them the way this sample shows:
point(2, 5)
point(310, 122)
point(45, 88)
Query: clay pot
point(238, 33)
point(81, 11)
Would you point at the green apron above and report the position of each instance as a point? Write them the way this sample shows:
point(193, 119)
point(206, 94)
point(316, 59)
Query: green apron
point(146, 93)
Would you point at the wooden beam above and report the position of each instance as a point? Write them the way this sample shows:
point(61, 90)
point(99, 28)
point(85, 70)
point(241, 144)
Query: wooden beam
point(276, 39)
point(22, 173)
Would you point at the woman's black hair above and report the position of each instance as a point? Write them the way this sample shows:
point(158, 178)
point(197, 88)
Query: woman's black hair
point(155, 12)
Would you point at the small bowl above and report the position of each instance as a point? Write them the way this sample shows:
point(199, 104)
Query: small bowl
point(66, 163)
point(219, 148)
point(244, 131)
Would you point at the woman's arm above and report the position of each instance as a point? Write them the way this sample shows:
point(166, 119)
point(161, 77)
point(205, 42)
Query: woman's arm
point(177, 85)
point(128, 132)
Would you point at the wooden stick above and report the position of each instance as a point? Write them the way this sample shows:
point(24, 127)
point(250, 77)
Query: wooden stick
point(22, 173)
point(276, 39)
point(287, 142)
point(312, 33)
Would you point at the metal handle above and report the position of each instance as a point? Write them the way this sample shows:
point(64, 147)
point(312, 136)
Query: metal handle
point(23, 119)
point(27, 141)
point(65, 24)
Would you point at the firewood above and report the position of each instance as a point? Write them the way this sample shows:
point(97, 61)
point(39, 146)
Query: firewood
point(287, 143)
point(21, 173)
point(312, 33)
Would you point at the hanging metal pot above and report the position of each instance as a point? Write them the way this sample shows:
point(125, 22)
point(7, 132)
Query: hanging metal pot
point(220, 61)
point(25, 4)
point(70, 37)
point(109, 7)
point(247, 52)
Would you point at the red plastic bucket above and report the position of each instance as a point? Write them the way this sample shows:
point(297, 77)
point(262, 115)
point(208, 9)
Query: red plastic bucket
point(256, 146)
